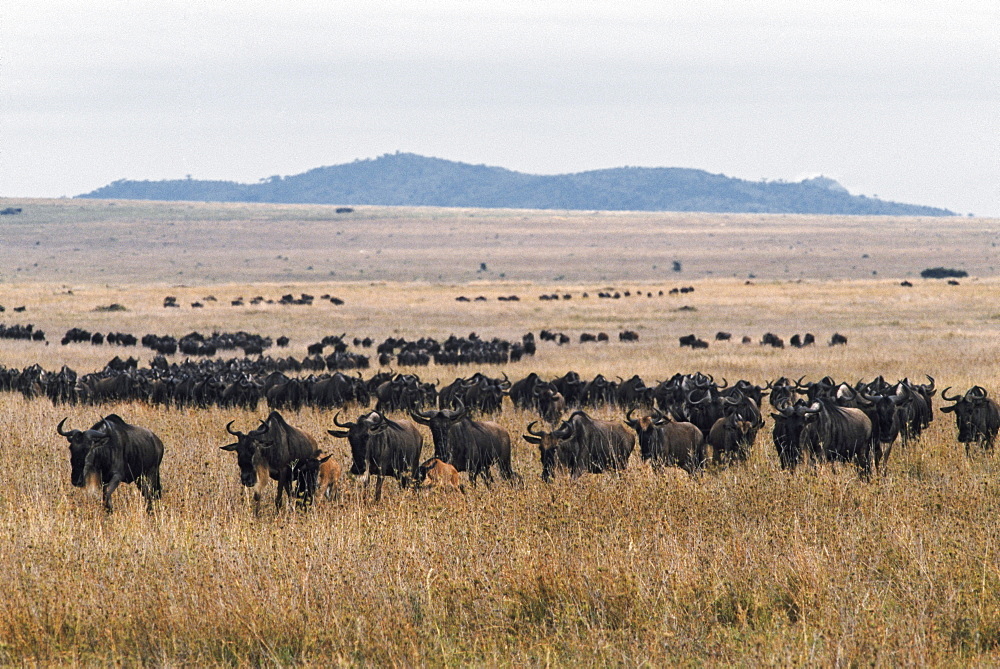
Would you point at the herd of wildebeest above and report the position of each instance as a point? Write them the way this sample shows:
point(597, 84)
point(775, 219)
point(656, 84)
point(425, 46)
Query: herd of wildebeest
point(690, 421)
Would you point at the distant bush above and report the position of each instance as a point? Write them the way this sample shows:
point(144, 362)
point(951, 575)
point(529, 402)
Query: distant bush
point(943, 273)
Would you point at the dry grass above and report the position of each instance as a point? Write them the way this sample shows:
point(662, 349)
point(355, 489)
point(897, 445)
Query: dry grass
point(744, 566)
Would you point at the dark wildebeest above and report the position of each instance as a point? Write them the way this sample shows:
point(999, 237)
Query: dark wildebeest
point(666, 442)
point(381, 447)
point(471, 446)
point(269, 452)
point(731, 438)
point(582, 444)
point(831, 432)
point(976, 416)
point(114, 452)
point(319, 474)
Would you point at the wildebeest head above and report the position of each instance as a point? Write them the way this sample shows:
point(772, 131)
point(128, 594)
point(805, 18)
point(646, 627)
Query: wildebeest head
point(357, 434)
point(81, 443)
point(548, 446)
point(968, 410)
point(646, 429)
point(247, 448)
point(440, 423)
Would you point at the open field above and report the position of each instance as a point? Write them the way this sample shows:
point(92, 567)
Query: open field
point(749, 565)
point(95, 241)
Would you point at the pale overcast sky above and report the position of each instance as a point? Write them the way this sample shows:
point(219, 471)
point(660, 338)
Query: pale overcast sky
point(898, 99)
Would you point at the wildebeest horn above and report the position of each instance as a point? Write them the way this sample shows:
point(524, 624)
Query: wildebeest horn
point(532, 432)
point(60, 430)
point(564, 431)
point(336, 422)
point(725, 384)
point(931, 379)
point(704, 399)
point(259, 431)
point(457, 413)
point(505, 384)
point(798, 384)
point(628, 416)
point(229, 429)
point(945, 397)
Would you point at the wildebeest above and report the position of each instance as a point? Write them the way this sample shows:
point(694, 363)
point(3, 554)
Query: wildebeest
point(115, 452)
point(382, 447)
point(976, 416)
point(830, 432)
point(268, 452)
point(437, 473)
point(731, 438)
point(666, 442)
point(471, 446)
point(320, 474)
point(582, 444)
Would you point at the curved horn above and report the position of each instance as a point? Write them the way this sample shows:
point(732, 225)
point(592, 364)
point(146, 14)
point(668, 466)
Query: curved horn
point(229, 429)
point(337, 422)
point(532, 432)
point(60, 430)
point(628, 416)
point(725, 384)
point(564, 431)
point(798, 384)
point(457, 413)
point(259, 431)
point(945, 397)
point(706, 398)
point(931, 379)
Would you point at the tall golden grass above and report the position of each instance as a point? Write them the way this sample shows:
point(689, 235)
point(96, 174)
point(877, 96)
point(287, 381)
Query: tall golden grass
point(748, 565)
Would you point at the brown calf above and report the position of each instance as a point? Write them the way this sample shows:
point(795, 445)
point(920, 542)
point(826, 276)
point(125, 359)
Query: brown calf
point(439, 474)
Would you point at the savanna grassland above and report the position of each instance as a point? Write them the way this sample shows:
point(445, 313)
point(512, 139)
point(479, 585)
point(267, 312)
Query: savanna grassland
point(749, 565)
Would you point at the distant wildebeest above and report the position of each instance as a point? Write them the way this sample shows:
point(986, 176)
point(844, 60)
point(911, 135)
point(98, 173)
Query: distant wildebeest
point(268, 452)
point(976, 416)
point(838, 339)
point(115, 452)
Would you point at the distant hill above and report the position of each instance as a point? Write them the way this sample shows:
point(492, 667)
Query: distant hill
point(409, 179)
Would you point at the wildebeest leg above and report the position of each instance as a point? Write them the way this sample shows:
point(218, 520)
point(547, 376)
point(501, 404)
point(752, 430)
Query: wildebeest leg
point(378, 487)
point(109, 488)
point(488, 477)
point(255, 504)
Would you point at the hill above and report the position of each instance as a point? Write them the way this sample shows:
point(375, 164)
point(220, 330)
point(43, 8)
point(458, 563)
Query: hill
point(406, 179)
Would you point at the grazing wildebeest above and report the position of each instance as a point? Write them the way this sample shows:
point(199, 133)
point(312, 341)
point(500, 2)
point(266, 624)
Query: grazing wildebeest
point(976, 416)
point(115, 452)
point(838, 339)
point(471, 446)
point(439, 474)
point(268, 452)
point(666, 442)
point(318, 474)
point(582, 444)
point(381, 447)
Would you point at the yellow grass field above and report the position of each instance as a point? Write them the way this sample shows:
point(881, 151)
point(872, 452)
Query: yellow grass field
point(749, 565)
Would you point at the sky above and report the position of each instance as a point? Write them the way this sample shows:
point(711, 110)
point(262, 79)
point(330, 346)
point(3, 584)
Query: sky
point(898, 99)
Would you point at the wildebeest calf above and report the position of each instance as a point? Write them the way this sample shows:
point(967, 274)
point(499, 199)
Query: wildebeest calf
point(439, 474)
point(320, 474)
